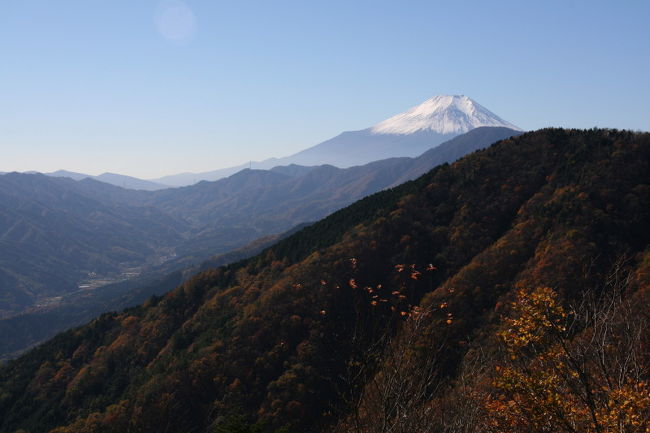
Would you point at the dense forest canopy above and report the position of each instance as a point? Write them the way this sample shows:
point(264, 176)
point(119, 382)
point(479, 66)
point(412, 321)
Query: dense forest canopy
point(468, 297)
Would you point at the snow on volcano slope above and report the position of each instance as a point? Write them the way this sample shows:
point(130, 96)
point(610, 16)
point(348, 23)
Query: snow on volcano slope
point(443, 114)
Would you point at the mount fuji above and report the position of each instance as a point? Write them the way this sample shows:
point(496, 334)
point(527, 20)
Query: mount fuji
point(442, 114)
point(409, 134)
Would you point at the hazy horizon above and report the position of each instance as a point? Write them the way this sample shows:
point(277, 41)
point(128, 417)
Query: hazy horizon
point(156, 88)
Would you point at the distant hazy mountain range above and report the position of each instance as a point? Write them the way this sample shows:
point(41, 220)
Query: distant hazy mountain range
point(63, 235)
point(123, 181)
point(407, 134)
point(59, 236)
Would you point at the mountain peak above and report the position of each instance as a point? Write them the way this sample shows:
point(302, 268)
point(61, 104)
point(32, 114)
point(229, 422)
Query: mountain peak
point(444, 114)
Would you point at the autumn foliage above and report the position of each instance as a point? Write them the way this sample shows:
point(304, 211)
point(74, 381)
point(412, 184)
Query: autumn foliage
point(398, 313)
point(575, 371)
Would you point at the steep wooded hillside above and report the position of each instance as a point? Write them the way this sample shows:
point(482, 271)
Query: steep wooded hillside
point(23, 331)
point(272, 342)
point(57, 234)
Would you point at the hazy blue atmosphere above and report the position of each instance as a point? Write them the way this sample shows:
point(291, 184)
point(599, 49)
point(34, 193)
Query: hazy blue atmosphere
point(149, 88)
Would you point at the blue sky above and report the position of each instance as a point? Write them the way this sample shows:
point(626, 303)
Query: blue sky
point(149, 87)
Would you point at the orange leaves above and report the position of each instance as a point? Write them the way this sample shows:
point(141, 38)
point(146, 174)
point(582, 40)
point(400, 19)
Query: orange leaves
point(414, 274)
point(450, 319)
point(534, 397)
point(626, 406)
point(394, 299)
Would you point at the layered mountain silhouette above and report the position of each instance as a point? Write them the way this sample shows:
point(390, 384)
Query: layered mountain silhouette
point(279, 342)
point(54, 233)
point(408, 134)
point(61, 237)
point(120, 180)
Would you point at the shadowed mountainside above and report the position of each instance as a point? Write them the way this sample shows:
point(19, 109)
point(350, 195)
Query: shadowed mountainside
point(58, 234)
point(267, 343)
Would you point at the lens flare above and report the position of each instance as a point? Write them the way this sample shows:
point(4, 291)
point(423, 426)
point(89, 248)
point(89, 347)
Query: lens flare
point(175, 21)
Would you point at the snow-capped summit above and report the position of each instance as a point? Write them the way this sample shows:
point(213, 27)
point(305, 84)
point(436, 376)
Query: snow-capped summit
point(409, 134)
point(444, 114)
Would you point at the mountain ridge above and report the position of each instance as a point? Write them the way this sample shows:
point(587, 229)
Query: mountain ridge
point(407, 134)
point(120, 180)
point(268, 342)
point(202, 220)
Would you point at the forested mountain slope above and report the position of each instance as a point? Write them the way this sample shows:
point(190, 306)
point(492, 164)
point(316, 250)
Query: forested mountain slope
point(53, 234)
point(23, 331)
point(57, 234)
point(253, 203)
point(272, 340)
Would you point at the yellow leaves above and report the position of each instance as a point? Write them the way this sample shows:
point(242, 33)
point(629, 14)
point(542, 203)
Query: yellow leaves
point(535, 314)
point(556, 382)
